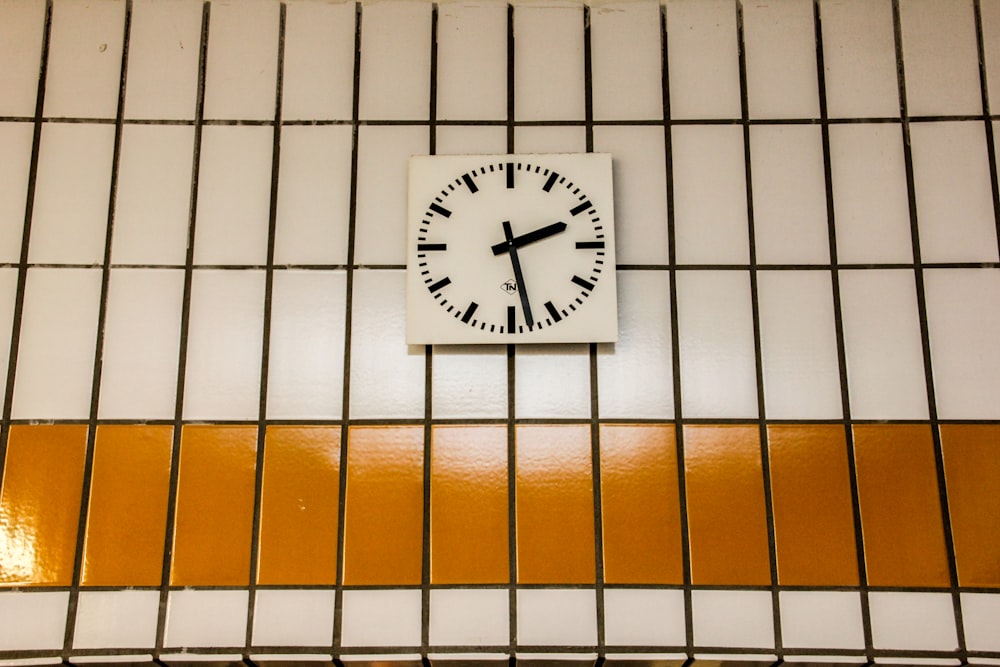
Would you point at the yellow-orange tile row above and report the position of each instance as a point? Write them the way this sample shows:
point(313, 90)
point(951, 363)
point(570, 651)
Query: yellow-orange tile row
point(546, 504)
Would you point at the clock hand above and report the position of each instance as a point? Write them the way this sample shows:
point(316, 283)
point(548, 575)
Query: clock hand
point(518, 276)
point(524, 239)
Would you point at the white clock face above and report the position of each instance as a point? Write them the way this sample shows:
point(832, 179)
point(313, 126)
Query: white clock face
point(511, 249)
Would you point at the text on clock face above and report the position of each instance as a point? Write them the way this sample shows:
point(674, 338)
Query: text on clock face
point(519, 225)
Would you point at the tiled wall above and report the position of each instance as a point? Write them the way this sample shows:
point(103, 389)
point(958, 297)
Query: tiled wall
point(216, 445)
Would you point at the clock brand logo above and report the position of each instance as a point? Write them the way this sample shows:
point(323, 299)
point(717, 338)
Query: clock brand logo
point(509, 287)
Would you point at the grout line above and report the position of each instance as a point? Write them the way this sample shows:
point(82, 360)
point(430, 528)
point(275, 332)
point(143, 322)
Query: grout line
point(675, 349)
point(255, 534)
point(178, 422)
point(757, 342)
point(918, 275)
point(845, 396)
point(338, 609)
point(98, 368)
point(22, 267)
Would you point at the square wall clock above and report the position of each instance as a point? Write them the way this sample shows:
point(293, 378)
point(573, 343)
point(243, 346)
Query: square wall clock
point(511, 249)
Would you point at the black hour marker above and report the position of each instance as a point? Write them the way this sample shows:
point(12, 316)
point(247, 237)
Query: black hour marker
point(585, 284)
point(444, 282)
point(510, 175)
point(580, 208)
point(469, 311)
point(510, 319)
point(550, 182)
point(589, 245)
point(552, 311)
point(440, 210)
point(423, 247)
point(469, 183)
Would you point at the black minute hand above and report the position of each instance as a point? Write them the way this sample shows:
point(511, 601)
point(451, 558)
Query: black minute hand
point(522, 291)
point(530, 237)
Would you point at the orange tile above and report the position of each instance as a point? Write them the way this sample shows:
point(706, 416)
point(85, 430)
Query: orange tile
point(813, 510)
point(127, 519)
point(469, 513)
point(40, 504)
point(215, 496)
point(972, 471)
point(640, 506)
point(299, 506)
point(900, 505)
point(727, 517)
point(555, 505)
point(384, 511)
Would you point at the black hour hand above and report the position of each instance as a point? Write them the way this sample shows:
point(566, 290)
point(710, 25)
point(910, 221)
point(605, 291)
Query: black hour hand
point(530, 237)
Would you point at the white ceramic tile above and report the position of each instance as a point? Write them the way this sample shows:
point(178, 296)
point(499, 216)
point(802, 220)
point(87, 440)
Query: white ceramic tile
point(552, 381)
point(736, 619)
point(781, 59)
point(381, 618)
point(116, 619)
point(548, 62)
point(715, 321)
point(990, 12)
point(8, 293)
point(703, 59)
point(314, 193)
point(821, 620)
point(15, 145)
point(643, 351)
point(70, 218)
point(640, 180)
point(710, 210)
point(58, 336)
point(798, 339)
point(625, 51)
point(242, 66)
point(940, 57)
point(885, 367)
point(33, 620)
point(859, 55)
point(384, 153)
point(913, 621)
point(789, 195)
point(163, 64)
point(85, 56)
point(870, 200)
point(964, 325)
point(318, 80)
point(470, 617)
point(638, 617)
point(200, 618)
point(981, 618)
point(223, 345)
point(550, 139)
point(293, 617)
point(953, 192)
point(470, 139)
point(234, 195)
point(556, 617)
point(141, 339)
point(20, 52)
point(469, 382)
point(472, 61)
point(306, 358)
point(152, 203)
point(395, 61)
point(387, 376)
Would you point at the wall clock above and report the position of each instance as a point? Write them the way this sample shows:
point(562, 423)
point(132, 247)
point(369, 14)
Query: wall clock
point(511, 249)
